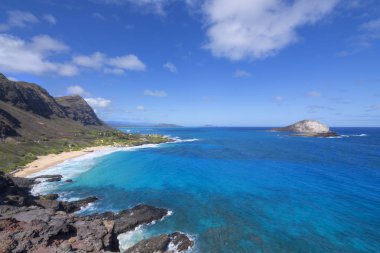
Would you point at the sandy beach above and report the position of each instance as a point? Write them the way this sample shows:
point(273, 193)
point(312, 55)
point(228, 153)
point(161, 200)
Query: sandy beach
point(47, 161)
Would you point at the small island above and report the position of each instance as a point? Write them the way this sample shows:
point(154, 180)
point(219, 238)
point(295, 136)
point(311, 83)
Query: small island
point(307, 128)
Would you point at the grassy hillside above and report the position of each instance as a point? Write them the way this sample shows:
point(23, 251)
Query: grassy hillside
point(34, 123)
point(14, 154)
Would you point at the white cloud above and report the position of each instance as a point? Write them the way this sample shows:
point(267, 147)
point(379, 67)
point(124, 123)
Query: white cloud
point(97, 103)
point(75, 90)
point(21, 19)
point(170, 67)
point(50, 19)
point(314, 94)
point(98, 16)
point(278, 99)
point(242, 29)
point(155, 93)
point(140, 108)
point(116, 65)
point(96, 60)
point(114, 71)
point(155, 6)
point(370, 31)
point(239, 73)
point(371, 26)
point(67, 69)
point(127, 62)
point(17, 55)
point(18, 19)
point(45, 43)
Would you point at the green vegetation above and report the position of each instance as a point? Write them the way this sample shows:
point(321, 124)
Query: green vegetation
point(17, 153)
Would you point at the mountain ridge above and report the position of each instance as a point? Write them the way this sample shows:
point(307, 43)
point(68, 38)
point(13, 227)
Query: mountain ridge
point(24, 105)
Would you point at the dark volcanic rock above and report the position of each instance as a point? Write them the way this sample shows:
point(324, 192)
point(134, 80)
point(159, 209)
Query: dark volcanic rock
point(50, 178)
point(154, 244)
point(52, 196)
point(181, 242)
point(74, 206)
point(142, 214)
point(29, 111)
point(43, 224)
point(8, 125)
point(77, 109)
point(176, 242)
point(328, 134)
point(29, 97)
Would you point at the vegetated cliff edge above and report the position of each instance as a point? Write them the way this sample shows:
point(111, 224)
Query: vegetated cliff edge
point(312, 128)
point(32, 123)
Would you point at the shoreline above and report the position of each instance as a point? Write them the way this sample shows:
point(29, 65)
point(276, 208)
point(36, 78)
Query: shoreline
point(50, 160)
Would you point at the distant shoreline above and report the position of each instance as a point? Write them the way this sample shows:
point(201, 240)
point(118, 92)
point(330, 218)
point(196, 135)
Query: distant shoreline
point(47, 161)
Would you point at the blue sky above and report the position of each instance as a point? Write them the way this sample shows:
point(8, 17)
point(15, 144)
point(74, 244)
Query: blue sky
point(197, 62)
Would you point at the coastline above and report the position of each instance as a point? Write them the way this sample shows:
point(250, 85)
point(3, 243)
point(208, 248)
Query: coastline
point(47, 161)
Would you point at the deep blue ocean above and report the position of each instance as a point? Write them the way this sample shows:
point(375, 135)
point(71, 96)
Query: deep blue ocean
point(243, 189)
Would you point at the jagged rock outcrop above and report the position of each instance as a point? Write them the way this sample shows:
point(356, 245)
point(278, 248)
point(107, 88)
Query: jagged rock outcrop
point(307, 128)
point(29, 97)
point(76, 108)
point(42, 224)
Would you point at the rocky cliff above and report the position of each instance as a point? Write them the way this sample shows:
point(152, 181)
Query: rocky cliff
point(29, 97)
point(76, 108)
point(27, 110)
point(43, 224)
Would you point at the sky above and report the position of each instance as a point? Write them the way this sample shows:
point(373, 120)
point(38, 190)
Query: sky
point(201, 62)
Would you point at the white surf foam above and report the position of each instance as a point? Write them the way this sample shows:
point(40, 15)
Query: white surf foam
point(130, 238)
point(359, 135)
point(72, 168)
point(174, 249)
point(177, 139)
point(338, 137)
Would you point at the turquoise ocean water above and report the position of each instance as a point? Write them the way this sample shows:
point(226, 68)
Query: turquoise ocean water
point(242, 189)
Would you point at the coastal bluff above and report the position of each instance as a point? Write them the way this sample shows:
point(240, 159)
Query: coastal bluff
point(308, 128)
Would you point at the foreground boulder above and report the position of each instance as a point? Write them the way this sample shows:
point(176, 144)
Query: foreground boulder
point(43, 224)
point(310, 128)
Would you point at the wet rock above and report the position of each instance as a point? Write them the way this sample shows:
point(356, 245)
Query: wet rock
point(328, 134)
point(43, 224)
point(50, 178)
point(181, 241)
point(154, 244)
point(176, 242)
point(52, 196)
point(68, 180)
point(74, 206)
point(142, 214)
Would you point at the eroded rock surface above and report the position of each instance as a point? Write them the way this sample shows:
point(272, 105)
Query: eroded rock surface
point(176, 242)
point(41, 224)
